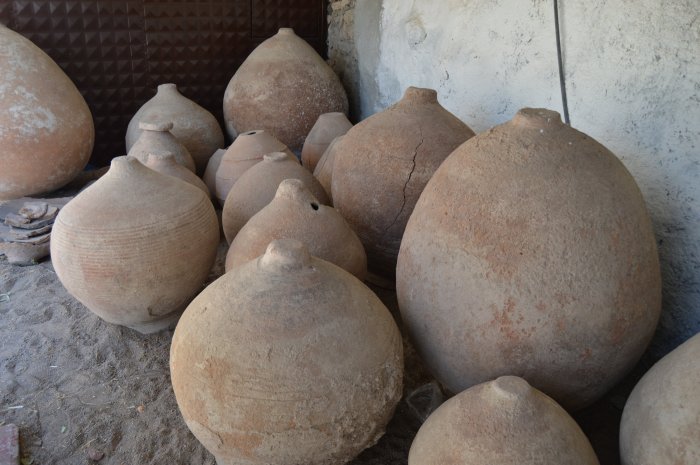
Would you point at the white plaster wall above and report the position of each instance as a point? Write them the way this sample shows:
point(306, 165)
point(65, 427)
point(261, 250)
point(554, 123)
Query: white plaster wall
point(633, 81)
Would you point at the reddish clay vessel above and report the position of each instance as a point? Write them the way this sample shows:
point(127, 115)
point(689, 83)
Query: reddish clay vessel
point(46, 129)
point(245, 152)
point(531, 252)
point(135, 246)
point(661, 421)
point(164, 163)
point(324, 168)
point(209, 177)
point(193, 126)
point(382, 165)
point(287, 359)
point(501, 422)
point(283, 87)
point(328, 126)
point(295, 213)
point(257, 187)
point(155, 137)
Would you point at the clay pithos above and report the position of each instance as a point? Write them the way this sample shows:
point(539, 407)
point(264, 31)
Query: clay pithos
point(209, 177)
point(382, 165)
point(661, 421)
point(46, 128)
point(245, 152)
point(135, 246)
point(287, 359)
point(531, 252)
point(501, 422)
point(328, 126)
point(164, 163)
point(295, 213)
point(283, 87)
point(155, 137)
point(257, 187)
point(193, 126)
point(324, 168)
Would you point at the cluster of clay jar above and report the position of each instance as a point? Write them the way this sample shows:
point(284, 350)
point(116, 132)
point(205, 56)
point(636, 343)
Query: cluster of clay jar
point(523, 259)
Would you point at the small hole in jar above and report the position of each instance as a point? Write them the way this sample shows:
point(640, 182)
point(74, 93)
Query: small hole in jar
point(314, 205)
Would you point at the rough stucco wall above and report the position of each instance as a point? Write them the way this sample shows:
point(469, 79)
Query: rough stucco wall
point(633, 81)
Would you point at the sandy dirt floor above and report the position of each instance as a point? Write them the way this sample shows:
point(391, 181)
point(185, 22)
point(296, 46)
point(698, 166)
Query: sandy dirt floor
point(81, 389)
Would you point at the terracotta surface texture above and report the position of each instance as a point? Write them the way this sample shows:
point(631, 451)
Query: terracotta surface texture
point(283, 87)
point(328, 126)
point(135, 246)
point(295, 213)
point(661, 421)
point(382, 165)
point(193, 126)
point(245, 152)
point(530, 252)
point(46, 128)
point(209, 176)
point(165, 163)
point(267, 368)
point(501, 422)
point(156, 137)
point(258, 186)
point(324, 168)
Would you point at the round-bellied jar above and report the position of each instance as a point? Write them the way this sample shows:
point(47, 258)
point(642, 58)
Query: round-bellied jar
point(530, 252)
point(287, 359)
point(135, 246)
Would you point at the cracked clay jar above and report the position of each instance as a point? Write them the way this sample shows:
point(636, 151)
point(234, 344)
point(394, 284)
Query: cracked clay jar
point(382, 165)
point(531, 253)
point(287, 359)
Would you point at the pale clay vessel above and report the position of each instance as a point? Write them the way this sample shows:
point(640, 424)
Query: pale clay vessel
point(165, 163)
point(324, 168)
point(46, 128)
point(295, 213)
point(287, 359)
point(661, 421)
point(328, 126)
point(246, 151)
point(135, 246)
point(534, 241)
point(283, 87)
point(155, 137)
point(257, 187)
point(382, 165)
point(501, 422)
point(193, 126)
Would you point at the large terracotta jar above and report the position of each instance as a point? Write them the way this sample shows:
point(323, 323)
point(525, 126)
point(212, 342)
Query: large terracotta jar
point(165, 163)
point(530, 252)
point(328, 126)
point(155, 137)
point(288, 359)
point(135, 246)
point(295, 213)
point(209, 177)
point(245, 152)
point(283, 87)
point(661, 421)
point(46, 129)
point(324, 168)
point(382, 165)
point(257, 187)
point(193, 126)
point(501, 422)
